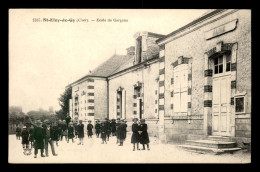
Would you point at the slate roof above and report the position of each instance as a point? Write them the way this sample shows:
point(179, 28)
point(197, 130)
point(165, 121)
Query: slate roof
point(125, 65)
point(109, 66)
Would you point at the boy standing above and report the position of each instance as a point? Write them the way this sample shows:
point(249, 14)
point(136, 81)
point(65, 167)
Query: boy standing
point(18, 132)
point(70, 132)
point(89, 128)
point(97, 128)
point(81, 132)
point(103, 133)
point(25, 140)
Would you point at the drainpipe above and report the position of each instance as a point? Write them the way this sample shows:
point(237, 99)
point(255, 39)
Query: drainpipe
point(107, 98)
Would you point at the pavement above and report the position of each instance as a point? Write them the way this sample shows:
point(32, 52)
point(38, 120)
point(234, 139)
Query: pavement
point(94, 152)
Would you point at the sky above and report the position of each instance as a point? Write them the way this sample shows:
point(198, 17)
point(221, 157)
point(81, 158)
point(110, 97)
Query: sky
point(44, 56)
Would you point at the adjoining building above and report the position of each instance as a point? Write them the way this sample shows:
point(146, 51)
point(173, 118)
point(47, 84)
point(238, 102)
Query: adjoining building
point(192, 83)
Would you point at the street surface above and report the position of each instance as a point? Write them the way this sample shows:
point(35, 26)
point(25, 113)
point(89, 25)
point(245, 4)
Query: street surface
point(94, 152)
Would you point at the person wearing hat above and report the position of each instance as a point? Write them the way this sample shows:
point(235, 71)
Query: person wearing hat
point(71, 132)
point(31, 135)
point(135, 136)
point(80, 132)
point(75, 125)
point(38, 136)
point(125, 123)
point(49, 137)
point(108, 128)
point(18, 132)
point(55, 129)
point(103, 132)
point(68, 120)
point(144, 138)
point(117, 125)
point(121, 132)
point(25, 139)
point(64, 130)
point(97, 128)
point(113, 127)
point(89, 128)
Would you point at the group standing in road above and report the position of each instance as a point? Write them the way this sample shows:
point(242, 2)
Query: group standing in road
point(40, 135)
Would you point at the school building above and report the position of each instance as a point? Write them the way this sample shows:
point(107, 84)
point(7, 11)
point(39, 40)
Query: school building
point(190, 84)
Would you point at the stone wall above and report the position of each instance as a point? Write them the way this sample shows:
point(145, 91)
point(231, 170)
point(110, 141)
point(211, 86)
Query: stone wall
point(192, 44)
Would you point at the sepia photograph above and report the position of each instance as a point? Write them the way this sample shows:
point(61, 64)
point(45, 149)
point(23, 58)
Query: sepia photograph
point(138, 86)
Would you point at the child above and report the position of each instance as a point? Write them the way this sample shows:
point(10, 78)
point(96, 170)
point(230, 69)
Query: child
point(76, 129)
point(80, 132)
point(144, 138)
point(121, 132)
point(70, 132)
point(113, 127)
point(25, 141)
point(31, 136)
point(89, 128)
point(18, 132)
point(103, 133)
point(97, 128)
point(135, 136)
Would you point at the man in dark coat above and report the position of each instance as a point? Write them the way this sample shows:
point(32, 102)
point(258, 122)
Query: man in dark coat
point(113, 127)
point(81, 132)
point(121, 132)
point(55, 129)
point(49, 136)
point(38, 136)
point(97, 128)
point(89, 128)
point(108, 128)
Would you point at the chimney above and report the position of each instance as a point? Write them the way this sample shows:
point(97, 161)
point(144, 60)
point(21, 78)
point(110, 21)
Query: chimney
point(131, 51)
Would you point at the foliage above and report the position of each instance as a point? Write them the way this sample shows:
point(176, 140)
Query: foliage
point(64, 103)
point(15, 115)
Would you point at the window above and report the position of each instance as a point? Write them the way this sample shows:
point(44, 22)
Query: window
point(155, 101)
point(180, 89)
point(239, 104)
point(222, 64)
point(171, 81)
point(155, 92)
point(155, 111)
point(228, 63)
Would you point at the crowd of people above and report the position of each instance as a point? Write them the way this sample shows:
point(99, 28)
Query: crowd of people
point(39, 135)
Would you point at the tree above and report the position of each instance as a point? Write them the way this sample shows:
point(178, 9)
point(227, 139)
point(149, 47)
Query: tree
point(64, 103)
point(60, 114)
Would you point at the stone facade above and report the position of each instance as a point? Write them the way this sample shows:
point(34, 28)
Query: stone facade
point(172, 81)
point(191, 43)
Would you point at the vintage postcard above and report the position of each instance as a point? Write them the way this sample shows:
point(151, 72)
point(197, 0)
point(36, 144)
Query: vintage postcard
point(129, 86)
